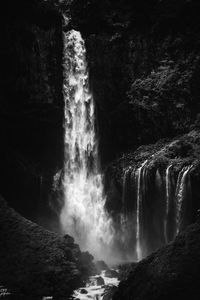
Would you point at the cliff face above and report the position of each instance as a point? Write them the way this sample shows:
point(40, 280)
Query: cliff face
point(31, 105)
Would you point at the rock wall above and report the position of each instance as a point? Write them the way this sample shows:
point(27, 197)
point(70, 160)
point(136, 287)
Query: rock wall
point(31, 105)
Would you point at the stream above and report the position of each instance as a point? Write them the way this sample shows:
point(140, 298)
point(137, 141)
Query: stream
point(97, 288)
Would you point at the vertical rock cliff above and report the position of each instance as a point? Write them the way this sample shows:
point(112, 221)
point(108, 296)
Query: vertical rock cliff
point(31, 105)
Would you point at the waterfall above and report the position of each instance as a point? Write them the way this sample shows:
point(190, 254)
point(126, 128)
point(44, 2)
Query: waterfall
point(83, 215)
point(123, 216)
point(124, 192)
point(152, 212)
point(168, 192)
point(140, 181)
point(180, 194)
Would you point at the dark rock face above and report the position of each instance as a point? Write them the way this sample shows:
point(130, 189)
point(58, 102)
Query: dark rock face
point(125, 269)
point(35, 262)
point(109, 292)
point(173, 272)
point(31, 105)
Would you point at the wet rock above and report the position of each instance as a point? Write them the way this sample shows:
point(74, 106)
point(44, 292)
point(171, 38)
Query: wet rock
point(86, 266)
point(101, 266)
point(83, 291)
point(111, 273)
point(68, 239)
point(100, 280)
point(109, 292)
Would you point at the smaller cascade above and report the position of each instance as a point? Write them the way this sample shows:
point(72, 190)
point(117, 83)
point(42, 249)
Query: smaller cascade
point(168, 192)
point(124, 192)
point(126, 219)
point(123, 216)
point(180, 194)
point(140, 181)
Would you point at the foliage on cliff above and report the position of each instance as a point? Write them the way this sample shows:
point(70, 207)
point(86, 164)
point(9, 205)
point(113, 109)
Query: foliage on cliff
point(36, 262)
point(144, 64)
point(180, 151)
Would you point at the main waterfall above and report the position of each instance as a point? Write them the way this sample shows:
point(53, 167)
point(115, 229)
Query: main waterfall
point(83, 215)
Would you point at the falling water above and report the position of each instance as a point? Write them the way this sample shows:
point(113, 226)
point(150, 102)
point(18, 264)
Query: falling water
point(180, 193)
point(124, 191)
point(168, 189)
point(138, 209)
point(83, 214)
point(123, 216)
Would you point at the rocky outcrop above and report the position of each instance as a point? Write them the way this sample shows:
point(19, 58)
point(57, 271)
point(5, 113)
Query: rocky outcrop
point(35, 262)
point(170, 273)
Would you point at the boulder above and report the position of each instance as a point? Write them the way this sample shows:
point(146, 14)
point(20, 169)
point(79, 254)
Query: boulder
point(83, 291)
point(101, 266)
point(111, 273)
point(100, 281)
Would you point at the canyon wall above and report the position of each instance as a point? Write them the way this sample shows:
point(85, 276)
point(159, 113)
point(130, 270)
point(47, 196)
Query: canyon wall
point(31, 105)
